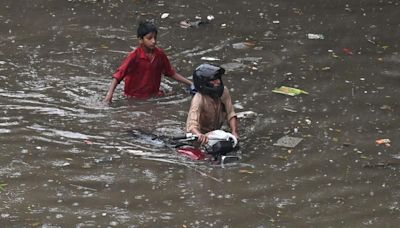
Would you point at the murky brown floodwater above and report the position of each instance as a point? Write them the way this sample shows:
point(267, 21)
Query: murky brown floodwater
point(66, 158)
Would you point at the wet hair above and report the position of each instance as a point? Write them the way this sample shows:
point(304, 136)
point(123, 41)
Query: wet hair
point(145, 28)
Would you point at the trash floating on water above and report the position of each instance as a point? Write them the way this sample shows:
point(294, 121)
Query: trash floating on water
point(270, 35)
point(290, 110)
point(103, 160)
point(289, 91)
point(245, 171)
point(333, 54)
point(383, 141)
point(313, 36)
point(246, 114)
point(288, 141)
point(189, 24)
point(243, 45)
point(198, 21)
point(2, 185)
point(164, 15)
point(347, 51)
point(210, 58)
point(88, 142)
point(386, 107)
point(347, 144)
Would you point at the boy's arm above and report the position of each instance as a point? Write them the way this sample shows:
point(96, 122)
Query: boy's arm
point(181, 79)
point(120, 74)
point(110, 92)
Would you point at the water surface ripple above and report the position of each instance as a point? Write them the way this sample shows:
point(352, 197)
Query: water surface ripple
point(68, 160)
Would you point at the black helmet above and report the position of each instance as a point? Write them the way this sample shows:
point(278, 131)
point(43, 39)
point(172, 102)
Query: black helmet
point(202, 77)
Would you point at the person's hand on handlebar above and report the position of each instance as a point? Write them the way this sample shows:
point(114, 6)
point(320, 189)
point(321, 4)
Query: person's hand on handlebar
point(202, 138)
point(234, 133)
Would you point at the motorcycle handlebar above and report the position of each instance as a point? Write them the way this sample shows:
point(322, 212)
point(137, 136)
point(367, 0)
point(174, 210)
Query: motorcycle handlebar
point(184, 136)
point(191, 136)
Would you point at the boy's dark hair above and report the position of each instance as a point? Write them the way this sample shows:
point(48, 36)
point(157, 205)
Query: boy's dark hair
point(145, 28)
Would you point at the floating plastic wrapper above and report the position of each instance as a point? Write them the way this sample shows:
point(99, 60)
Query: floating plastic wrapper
point(289, 91)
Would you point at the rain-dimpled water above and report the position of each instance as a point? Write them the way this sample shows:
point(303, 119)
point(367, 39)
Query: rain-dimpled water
point(70, 160)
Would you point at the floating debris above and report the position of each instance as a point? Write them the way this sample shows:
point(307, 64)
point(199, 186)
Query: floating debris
point(246, 114)
point(289, 91)
point(245, 171)
point(103, 160)
point(189, 24)
point(2, 185)
point(347, 144)
point(347, 51)
point(210, 58)
point(386, 107)
point(88, 142)
point(164, 15)
point(288, 141)
point(383, 142)
point(290, 110)
point(270, 35)
point(312, 36)
point(198, 21)
point(243, 45)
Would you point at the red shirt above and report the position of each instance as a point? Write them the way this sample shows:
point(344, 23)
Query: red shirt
point(142, 76)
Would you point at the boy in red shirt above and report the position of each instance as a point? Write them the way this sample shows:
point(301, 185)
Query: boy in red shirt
point(143, 67)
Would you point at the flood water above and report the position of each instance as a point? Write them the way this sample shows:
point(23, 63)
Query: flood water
point(68, 160)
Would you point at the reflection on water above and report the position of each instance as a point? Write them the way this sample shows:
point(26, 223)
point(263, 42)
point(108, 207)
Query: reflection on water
point(69, 160)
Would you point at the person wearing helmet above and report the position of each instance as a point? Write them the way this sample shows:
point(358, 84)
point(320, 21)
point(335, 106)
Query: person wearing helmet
point(211, 105)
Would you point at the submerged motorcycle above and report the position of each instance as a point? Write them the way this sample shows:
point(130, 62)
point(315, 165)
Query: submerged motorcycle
point(219, 144)
point(218, 150)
